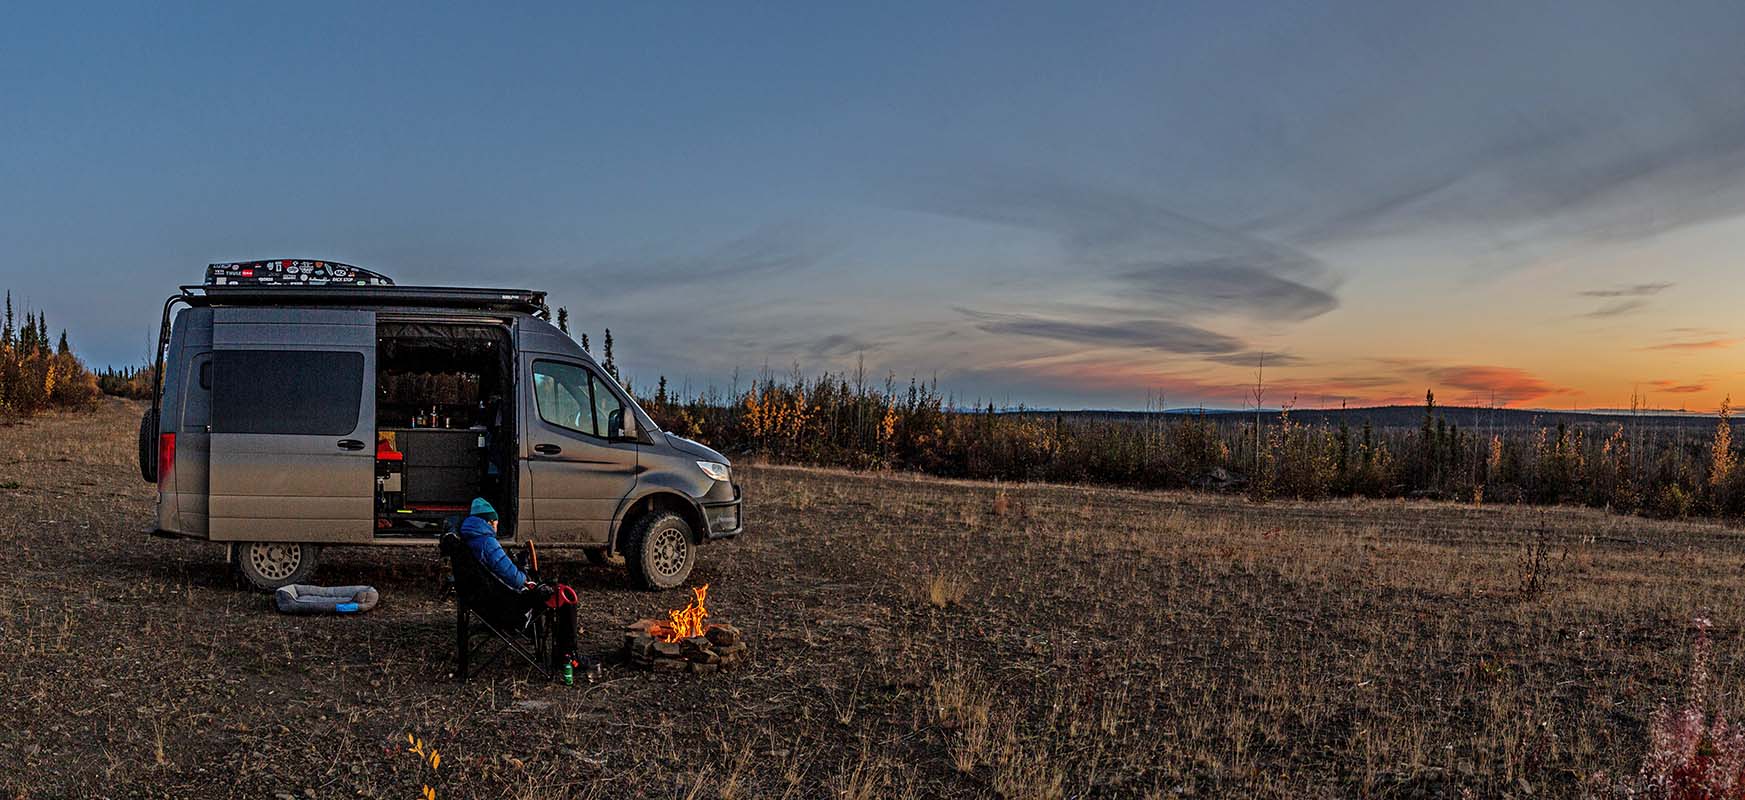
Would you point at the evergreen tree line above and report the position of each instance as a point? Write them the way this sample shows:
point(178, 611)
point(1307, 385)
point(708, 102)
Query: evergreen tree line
point(845, 421)
point(36, 372)
point(840, 420)
point(131, 382)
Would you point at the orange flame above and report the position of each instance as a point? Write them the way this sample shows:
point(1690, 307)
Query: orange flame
point(688, 621)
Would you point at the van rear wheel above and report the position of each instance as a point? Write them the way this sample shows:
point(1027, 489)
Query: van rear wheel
point(269, 565)
point(659, 551)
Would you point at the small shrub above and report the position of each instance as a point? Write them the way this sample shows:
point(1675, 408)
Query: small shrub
point(1002, 505)
point(946, 590)
point(1672, 502)
point(1533, 565)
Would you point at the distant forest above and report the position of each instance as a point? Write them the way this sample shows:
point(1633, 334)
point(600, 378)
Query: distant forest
point(1469, 417)
point(38, 373)
point(1663, 465)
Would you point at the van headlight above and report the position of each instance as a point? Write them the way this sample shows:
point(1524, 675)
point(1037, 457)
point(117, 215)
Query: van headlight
point(714, 470)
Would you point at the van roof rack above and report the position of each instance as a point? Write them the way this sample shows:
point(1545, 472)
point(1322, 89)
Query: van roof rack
point(523, 300)
point(292, 272)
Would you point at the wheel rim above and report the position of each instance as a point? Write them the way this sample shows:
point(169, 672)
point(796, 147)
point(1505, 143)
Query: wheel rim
point(668, 547)
point(275, 562)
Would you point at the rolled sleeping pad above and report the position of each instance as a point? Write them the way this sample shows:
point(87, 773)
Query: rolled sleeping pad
point(304, 599)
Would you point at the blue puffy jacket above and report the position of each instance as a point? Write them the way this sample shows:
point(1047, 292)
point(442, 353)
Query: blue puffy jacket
point(480, 539)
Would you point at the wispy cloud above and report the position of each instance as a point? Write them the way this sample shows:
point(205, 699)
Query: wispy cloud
point(1705, 344)
point(1152, 254)
point(768, 251)
point(1253, 358)
point(1230, 285)
point(1618, 309)
point(1365, 381)
point(1625, 300)
point(1506, 384)
point(1676, 387)
point(1154, 334)
point(829, 346)
point(1574, 177)
point(1636, 290)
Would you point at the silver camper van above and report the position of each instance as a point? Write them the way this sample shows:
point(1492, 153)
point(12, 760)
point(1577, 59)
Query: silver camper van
point(304, 404)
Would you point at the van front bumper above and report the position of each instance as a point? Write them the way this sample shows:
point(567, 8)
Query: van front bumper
point(723, 517)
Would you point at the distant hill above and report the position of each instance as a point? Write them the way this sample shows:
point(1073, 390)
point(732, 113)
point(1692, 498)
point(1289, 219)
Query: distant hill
point(1500, 419)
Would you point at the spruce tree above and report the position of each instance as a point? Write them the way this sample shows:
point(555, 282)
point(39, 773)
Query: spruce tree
point(1344, 443)
point(1427, 440)
point(42, 332)
point(585, 343)
point(1440, 458)
point(64, 349)
point(563, 319)
point(608, 364)
point(6, 332)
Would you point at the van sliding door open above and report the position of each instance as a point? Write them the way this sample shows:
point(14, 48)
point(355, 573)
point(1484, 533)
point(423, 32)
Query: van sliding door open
point(293, 425)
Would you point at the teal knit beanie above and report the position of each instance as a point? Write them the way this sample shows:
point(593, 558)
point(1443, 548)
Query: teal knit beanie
point(482, 508)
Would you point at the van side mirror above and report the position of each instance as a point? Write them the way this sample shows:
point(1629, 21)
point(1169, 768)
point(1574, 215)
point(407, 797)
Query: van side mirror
point(620, 424)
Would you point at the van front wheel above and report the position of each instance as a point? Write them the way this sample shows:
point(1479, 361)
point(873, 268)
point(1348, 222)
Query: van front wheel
point(269, 565)
point(659, 551)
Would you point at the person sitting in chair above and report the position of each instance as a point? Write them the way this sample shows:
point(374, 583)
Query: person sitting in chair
point(479, 532)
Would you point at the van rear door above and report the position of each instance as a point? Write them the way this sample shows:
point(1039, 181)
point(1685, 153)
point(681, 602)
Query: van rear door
point(292, 450)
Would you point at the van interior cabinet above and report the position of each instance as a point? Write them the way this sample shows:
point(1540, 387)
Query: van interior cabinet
point(441, 466)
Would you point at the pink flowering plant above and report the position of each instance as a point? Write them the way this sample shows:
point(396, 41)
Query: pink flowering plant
point(1693, 755)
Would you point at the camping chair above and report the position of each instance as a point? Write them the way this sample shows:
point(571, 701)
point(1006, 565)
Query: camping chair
point(486, 609)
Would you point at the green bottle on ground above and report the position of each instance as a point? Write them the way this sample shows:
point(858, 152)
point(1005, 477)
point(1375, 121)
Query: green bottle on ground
point(569, 673)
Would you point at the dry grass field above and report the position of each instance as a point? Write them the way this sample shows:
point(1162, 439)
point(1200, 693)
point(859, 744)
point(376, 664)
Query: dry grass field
point(910, 638)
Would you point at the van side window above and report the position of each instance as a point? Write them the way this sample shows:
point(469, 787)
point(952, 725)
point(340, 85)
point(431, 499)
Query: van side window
point(197, 402)
point(561, 392)
point(286, 391)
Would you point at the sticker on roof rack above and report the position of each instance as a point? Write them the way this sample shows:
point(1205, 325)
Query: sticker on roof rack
point(292, 272)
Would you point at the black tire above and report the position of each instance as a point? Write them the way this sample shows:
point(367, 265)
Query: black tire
point(148, 446)
point(269, 565)
point(659, 551)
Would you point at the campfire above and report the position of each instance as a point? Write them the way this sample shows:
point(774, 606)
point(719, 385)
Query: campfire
point(687, 621)
point(686, 641)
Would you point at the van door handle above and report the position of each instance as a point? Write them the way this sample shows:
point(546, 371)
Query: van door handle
point(547, 449)
point(350, 444)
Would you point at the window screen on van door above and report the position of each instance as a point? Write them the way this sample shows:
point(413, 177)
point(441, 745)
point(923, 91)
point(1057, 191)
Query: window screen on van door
point(286, 391)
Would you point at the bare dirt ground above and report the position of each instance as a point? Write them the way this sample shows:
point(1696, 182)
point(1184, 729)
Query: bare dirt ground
point(911, 637)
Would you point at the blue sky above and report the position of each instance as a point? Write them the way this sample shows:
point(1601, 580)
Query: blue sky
point(1061, 204)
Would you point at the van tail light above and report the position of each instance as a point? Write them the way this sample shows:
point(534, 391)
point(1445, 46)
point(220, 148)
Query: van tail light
point(166, 460)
